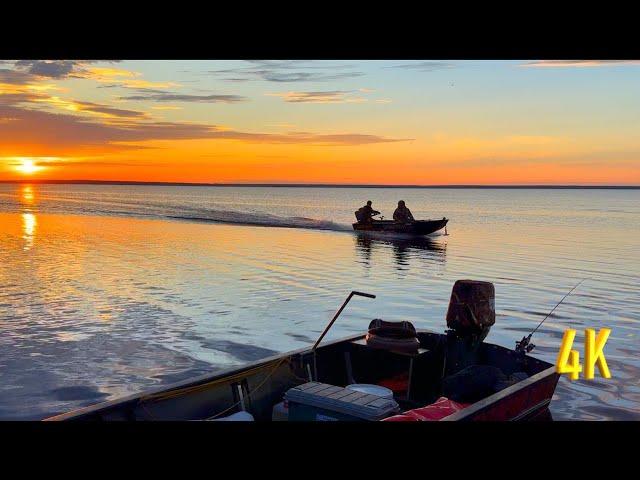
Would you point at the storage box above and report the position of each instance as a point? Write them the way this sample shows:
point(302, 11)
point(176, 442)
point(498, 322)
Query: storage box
point(315, 401)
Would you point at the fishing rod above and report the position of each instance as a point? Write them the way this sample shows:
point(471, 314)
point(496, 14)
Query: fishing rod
point(524, 346)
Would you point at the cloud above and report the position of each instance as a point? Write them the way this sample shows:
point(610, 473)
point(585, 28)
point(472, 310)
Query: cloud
point(331, 96)
point(578, 63)
point(111, 77)
point(110, 72)
point(55, 69)
point(19, 87)
point(341, 139)
point(305, 76)
point(132, 83)
point(55, 132)
point(15, 77)
point(429, 66)
point(162, 96)
point(109, 111)
point(25, 94)
point(283, 71)
point(19, 97)
point(30, 127)
point(31, 71)
point(47, 68)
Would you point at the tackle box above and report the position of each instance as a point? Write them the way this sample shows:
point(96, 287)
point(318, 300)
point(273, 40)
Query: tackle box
point(316, 401)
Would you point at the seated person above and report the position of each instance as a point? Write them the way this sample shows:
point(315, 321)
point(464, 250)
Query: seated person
point(402, 213)
point(364, 214)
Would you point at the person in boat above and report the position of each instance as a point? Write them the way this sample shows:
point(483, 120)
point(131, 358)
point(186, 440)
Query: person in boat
point(364, 214)
point(402, 213)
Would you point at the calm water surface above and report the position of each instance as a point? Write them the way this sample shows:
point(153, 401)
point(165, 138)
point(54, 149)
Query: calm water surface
point(110, 290)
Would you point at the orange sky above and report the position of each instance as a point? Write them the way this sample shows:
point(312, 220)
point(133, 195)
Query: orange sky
point(321, 122)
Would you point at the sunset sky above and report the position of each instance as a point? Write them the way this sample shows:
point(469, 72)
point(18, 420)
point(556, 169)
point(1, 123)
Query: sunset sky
point(364, 122)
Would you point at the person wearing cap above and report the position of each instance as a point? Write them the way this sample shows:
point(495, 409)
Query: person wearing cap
point(402, 213)
point(364, 214)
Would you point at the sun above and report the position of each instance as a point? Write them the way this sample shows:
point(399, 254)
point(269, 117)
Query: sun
point(27, 166)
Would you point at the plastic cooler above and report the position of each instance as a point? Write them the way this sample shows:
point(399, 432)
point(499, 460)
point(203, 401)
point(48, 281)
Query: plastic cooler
point(315, 401)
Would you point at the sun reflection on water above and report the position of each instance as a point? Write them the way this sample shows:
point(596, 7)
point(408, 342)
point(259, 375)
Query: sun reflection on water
point(29, 224)
point(29, 221)
point(27, 196)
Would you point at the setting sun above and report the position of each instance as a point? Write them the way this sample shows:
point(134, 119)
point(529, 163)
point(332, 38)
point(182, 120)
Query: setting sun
point(27, 166)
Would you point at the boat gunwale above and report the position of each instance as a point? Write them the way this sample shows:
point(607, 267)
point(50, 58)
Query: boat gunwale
point(491, 400)
point(390, 222)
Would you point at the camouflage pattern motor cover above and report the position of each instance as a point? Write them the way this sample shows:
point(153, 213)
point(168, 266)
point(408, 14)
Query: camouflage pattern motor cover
point(471, 307)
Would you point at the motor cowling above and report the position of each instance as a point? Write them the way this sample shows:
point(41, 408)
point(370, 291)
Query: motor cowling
point(472, 309)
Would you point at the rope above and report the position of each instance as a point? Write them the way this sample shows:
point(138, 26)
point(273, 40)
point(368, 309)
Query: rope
point(251, 392)
point(183, 391)
point(195, 388)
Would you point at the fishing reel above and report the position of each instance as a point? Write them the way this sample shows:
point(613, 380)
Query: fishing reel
point(523, 346)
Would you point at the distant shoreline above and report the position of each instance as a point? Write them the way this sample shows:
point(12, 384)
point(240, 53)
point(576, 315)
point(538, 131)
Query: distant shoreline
point(317, 185)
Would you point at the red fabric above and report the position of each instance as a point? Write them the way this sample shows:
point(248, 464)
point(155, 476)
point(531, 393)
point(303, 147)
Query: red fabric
point(441, 408)
point(397, 384)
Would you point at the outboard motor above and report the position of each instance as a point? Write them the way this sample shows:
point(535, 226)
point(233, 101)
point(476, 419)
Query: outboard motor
point(472, 310)
point(470, 316)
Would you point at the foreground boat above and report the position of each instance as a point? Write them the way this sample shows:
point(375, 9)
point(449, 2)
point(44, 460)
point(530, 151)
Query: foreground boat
point(419, 227)
point(421, 374)
point(264, 383)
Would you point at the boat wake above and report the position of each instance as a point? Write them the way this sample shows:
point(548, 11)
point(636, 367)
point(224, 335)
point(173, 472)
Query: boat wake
point(117, 206)
point(261, 220)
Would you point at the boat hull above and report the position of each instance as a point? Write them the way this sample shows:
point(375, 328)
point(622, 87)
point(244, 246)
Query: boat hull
point(266, 381)
point(419, 227)
point(519, 402)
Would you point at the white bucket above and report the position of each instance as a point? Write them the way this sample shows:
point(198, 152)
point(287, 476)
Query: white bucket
point(236, 417)
point(371, 389)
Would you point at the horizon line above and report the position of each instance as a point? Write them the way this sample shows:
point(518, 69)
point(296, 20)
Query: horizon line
point(314, 185)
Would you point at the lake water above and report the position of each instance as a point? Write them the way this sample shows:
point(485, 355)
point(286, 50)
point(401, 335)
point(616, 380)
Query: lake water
point(111, 290)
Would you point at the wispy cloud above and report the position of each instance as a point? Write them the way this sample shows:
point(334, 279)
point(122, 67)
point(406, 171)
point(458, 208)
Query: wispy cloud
point(578, 63)
point(163, 96)
point(292, 138)
point(306, 76)
point(424, 66)
point(62, 131)
point(109, 111)
point(15, 77)
point(34, 71)
point(35, 96)
point(284, 71)
point(15, 98)
point(110, 77)
point(24, 87)
point(55, 69)
point(331, 96)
